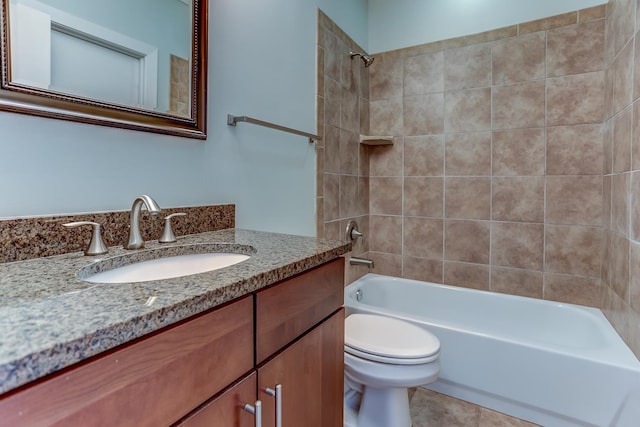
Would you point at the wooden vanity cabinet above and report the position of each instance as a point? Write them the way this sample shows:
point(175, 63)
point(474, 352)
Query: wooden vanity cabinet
point(311, 378)
point(299, 346)
point(202, 371)
point(310, 370)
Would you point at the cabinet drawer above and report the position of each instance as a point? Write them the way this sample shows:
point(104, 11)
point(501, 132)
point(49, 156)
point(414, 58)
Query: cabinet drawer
point(226, 409)
point(152, 382)
point(293, 306)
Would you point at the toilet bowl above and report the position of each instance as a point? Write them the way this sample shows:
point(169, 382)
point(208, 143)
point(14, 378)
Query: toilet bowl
point(383, 357)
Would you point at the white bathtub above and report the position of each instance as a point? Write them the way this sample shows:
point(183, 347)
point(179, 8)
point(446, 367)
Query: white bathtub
point(550, 363)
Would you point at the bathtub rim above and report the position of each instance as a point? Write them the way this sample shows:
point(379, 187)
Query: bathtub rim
point(624, 357)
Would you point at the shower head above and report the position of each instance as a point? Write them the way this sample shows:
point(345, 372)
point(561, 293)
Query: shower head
point(368, 60)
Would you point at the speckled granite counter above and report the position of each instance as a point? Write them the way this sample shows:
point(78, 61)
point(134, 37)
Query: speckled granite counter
point(50, 319)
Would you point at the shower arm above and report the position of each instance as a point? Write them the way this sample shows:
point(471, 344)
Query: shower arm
point(368, 60)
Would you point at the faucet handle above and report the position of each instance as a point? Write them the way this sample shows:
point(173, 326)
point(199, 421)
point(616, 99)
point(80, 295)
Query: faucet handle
point(352, 233)
point(167, 234)
point(96, 245)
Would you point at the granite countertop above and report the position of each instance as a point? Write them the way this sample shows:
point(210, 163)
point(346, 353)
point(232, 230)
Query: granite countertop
point(50, 319)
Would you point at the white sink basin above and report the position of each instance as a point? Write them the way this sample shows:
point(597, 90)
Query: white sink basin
point(167, 267)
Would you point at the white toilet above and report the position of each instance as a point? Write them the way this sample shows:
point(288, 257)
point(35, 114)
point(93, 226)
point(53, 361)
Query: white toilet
point(383, 357)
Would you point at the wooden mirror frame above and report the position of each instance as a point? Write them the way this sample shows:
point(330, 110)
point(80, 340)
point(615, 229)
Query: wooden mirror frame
point(39, 102)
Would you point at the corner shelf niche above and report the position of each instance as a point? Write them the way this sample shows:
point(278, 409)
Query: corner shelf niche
point(376, 140)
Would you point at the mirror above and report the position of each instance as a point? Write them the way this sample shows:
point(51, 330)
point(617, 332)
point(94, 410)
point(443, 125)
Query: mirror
point(132, 64)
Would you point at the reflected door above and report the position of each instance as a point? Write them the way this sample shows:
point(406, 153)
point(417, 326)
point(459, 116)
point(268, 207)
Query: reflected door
point(85, 68)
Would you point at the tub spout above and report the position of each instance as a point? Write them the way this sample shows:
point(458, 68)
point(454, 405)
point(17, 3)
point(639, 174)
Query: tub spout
point(361, 261)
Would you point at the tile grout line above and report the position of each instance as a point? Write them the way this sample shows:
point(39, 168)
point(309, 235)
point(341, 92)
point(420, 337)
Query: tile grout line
point(491, 173)
point(544, 136)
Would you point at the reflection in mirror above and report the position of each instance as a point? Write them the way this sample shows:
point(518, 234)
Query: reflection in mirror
point(137, 64)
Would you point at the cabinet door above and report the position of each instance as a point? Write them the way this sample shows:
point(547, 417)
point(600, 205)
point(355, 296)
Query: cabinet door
point(227, 409)
point(311, 374)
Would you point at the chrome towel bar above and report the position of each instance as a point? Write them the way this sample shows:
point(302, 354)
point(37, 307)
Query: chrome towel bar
point(232, 120)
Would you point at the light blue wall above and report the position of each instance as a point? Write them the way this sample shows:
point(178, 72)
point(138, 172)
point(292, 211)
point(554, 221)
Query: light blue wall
point(350, 15)
point(261, 63)
point(394, 24)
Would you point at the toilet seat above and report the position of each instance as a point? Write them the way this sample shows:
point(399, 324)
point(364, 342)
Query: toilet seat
point(391, 360)
point(389, 340)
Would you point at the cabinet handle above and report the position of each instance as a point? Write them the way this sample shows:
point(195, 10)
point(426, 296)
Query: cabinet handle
point(277, 393)
point(255, 410)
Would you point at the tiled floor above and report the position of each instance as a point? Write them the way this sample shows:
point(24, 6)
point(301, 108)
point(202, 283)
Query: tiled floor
point(431, 409)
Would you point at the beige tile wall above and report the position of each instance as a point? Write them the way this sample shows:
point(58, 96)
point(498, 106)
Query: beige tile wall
point(495, 180)
point(342, 115)
point(621, 254)
point(179, 86)
point(516, 159)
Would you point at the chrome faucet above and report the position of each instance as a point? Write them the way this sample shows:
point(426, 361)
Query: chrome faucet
point(135, 239)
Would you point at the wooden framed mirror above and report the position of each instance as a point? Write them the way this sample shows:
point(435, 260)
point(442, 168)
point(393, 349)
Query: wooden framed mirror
point(137, 65)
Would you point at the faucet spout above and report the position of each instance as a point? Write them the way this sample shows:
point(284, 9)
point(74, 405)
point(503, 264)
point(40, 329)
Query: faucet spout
point(361, 261)
point(135, 238)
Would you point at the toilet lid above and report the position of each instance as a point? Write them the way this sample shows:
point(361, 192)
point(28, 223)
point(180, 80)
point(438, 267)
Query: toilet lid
point(388, 337)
